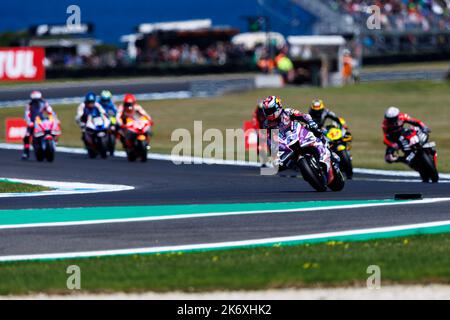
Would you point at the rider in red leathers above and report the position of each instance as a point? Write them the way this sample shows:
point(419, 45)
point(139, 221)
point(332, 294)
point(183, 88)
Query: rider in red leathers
point(393, 123)
point(130, 109)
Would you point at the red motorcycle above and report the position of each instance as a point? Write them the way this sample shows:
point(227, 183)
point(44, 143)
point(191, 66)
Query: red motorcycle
point(420, 154)
point(45, 134)
point(137, 138)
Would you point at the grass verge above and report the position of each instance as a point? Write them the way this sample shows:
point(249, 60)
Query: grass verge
point(362, 105)
point(419, 259)
point(9, 186)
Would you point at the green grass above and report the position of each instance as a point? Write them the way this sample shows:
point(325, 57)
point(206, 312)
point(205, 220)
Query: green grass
point(420, 259)
point(409, 66)
point(8, 186)
point(361, 105)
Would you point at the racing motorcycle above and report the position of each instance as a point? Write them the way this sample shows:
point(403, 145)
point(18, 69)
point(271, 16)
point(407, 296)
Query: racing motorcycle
point(45, 135)
point(419, 153)
point(301, 150)
point(137, 138)
point(340, 143)
point(112, 133)
point(96, 135)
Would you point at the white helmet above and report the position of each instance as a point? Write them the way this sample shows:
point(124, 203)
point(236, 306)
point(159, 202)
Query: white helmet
point(36, 95)
point(391, 113)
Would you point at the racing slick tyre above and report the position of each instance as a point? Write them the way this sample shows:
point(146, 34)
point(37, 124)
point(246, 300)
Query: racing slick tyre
point(103, 147)
point(428, 169)
point(141, 150)
point(111, 144)
point(49, 151)
point(131, 156)
point(338, 182)
point(312, 173)
point(92, 153)
point(38, 151)
point(346, 164)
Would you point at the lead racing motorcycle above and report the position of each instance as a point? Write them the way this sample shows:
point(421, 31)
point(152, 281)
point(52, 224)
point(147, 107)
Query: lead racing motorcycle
point(301, 150)
point(419, 153)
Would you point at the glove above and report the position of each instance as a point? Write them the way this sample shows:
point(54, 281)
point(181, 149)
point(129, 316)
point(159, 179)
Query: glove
point(313, 126)
point(390, 158)
point(315, 129)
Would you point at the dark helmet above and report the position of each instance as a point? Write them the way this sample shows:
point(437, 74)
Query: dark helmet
point(90, 97)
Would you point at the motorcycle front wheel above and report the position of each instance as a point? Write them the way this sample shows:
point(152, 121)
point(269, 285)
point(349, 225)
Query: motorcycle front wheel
point(312, 173)
point(49, 150)
point(338, 182)
point(427, 168)
point(38, 151)
point(346, 163)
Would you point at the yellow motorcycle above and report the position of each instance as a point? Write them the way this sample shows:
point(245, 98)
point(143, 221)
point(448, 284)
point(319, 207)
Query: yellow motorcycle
point(340, 143)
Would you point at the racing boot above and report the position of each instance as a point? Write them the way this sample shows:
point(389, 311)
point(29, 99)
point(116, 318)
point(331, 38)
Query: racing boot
point(26, 154)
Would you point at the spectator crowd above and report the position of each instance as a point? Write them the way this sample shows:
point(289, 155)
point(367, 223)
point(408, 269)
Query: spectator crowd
point(400, 15)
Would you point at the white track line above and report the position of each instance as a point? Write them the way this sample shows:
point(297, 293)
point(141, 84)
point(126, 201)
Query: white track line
point(63, 188)
point(218, 245)
point(218, 214)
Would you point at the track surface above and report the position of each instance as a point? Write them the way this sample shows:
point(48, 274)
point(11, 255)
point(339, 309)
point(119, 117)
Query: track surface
point(137, 85)
point(161, 182)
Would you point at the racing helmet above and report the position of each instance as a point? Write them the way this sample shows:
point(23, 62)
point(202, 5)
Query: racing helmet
point(272, 107)
point(128, 102)
point(36, 95)
point(317, 104)
point(90, 99)
point(105, 96)
point(391, 114)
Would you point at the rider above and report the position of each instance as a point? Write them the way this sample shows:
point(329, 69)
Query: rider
point(107, 104)
point(86, 108)
point(320, 114)
point(129, 109)
point(34, 108)
point(282, 119)
point(393, 123)
point(258, 117)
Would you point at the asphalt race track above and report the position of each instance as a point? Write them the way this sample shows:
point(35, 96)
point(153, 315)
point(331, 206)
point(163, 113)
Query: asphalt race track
point(163, 183)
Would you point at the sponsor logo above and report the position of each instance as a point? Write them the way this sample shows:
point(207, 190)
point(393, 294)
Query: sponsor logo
point(22, 63)
point(16, 128)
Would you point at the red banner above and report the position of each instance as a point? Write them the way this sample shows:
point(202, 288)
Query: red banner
point(251, 135)
point(22, 64)
point(16, 129)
